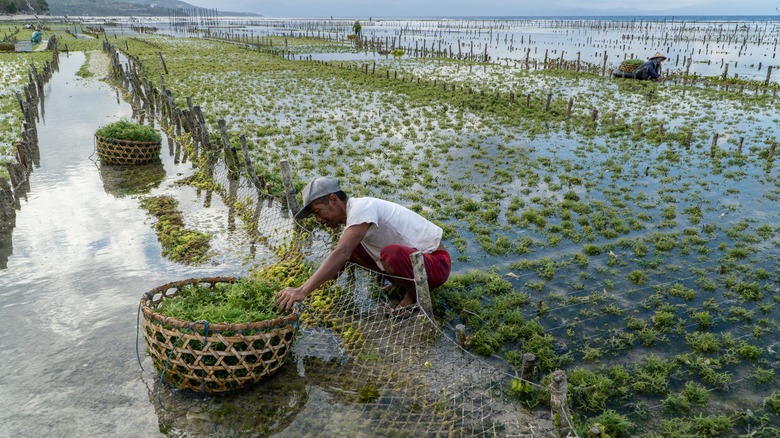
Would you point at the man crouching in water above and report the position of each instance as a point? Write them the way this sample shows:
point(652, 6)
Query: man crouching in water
point(379, 235)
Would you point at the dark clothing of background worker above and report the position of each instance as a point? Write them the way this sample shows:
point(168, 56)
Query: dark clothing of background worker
point(651, 69)
point(379, 235)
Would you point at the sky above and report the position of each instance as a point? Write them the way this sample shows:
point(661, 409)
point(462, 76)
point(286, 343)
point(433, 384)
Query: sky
point(451, 8)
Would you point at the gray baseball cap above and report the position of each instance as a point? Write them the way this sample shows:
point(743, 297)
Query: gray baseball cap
point(315, 189)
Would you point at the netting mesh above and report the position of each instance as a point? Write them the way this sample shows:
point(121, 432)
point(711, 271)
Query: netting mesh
point(357, 370)
point(394, 376)
point(409, 376)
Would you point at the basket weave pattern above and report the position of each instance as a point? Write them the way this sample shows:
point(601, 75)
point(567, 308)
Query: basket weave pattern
point(212, 358)
point(122, 152)
point(628, 67)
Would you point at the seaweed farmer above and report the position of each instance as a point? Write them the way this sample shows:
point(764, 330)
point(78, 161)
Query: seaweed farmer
point(37, 36)
point(357, 28)
point(379, 235)
point(651, 69)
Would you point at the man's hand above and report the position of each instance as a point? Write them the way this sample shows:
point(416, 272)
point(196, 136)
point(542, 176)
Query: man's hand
point(287, 297)
point(349, 240)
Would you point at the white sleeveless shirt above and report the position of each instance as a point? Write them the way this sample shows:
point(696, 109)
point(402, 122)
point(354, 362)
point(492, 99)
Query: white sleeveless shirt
point(391, 223)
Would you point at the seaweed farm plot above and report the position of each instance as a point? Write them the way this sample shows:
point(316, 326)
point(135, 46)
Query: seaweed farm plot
point(718, 46)
point(638, 253)
point(14, 69)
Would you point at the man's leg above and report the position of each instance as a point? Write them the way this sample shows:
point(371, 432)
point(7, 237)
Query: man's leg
point(361, 257)
point(397, 262)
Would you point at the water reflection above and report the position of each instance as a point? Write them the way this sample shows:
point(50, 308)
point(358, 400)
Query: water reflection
point(132, 180)
point(264, 409)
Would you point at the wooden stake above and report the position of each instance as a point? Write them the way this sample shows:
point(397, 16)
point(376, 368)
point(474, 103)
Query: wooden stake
point(714, 146)
point(202, 121)
point(529, 364)
point(421, 283)
point(259, 183)
point(165, 68)
point(559, 404)
point(289, 189)
point(231, 161)
point(460, 335)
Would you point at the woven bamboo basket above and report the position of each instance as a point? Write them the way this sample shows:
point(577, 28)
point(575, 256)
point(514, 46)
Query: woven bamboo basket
point(212, 358)
point(124, 152)
point(628, 67)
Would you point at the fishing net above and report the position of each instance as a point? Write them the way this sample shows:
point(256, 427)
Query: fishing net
point(355, 369)
point(386, 375)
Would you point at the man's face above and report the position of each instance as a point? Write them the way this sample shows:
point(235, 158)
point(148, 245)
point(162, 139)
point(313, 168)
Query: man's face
point(326, 211)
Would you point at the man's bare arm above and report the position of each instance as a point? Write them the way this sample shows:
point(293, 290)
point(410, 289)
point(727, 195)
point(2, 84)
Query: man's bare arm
point(336, 260)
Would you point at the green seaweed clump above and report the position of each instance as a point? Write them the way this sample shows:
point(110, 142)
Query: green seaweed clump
point(249, 299)
point(127, 130)
point(178, 243)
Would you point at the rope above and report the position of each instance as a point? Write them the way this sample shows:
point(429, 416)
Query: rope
point(473, 356)
point(299, 306)
point(137, 330)
point(165, 367)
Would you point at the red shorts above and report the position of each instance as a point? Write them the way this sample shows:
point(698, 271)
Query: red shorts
point(437, 264)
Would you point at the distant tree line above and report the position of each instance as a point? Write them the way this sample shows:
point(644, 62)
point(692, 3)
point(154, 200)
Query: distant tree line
point(20, 6)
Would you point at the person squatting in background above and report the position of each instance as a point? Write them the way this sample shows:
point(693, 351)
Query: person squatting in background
point(651, 69)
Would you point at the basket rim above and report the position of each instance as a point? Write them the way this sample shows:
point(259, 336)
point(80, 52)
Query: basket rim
point(153, 315)
point(101, 138)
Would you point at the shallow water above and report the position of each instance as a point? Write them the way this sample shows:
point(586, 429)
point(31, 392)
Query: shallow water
point(748, 46)
point(82, 253)
point(102, 246)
